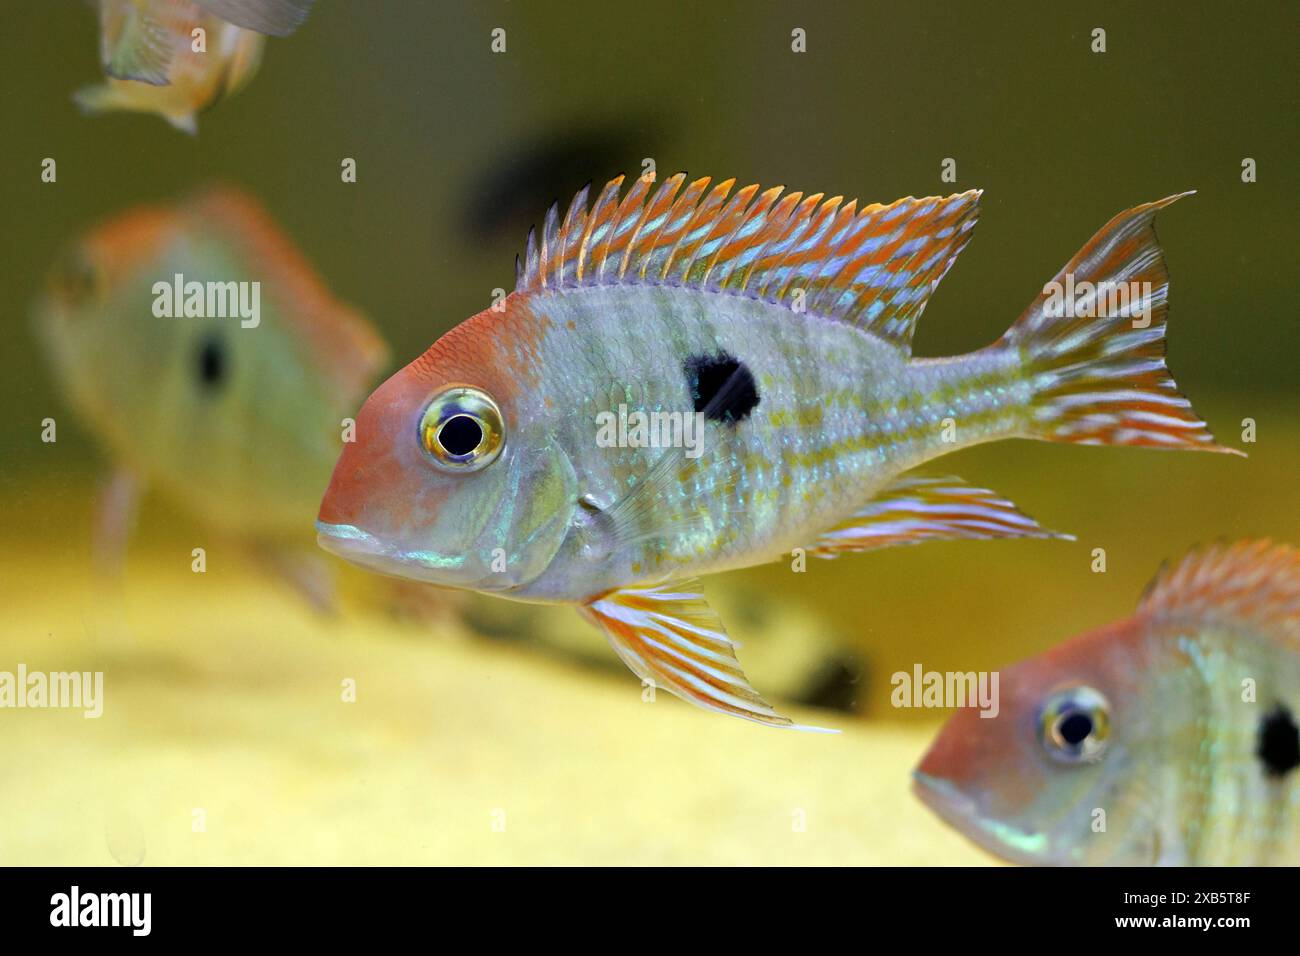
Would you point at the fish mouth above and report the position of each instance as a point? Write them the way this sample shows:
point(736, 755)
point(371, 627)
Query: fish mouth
point(362, 548)
point(959, 811)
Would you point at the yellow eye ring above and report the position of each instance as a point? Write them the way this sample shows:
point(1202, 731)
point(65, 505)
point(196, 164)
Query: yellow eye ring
point(461, 430)
point(1074, 725)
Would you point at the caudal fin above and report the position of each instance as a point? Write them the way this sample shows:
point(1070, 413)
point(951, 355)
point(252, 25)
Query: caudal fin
point(1093, 345)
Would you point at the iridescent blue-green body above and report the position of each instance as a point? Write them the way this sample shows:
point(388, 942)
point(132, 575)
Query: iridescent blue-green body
point(530, 451)
point(839, 413)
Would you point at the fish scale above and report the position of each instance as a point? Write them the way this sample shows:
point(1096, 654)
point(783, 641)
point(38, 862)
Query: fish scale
point(765, 490)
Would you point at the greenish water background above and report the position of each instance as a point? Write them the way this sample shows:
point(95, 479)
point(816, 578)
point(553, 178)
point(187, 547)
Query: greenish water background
point(1059, 137)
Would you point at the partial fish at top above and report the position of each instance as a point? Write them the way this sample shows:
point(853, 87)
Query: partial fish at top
point(151, 64)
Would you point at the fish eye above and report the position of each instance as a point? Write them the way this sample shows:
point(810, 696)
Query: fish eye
point(76, 279)
point(1074, 725)
point(461, 429)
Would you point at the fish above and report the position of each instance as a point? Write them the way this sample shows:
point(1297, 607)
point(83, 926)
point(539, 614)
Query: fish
point(774, 332)
point(151, 64)
point(1166, 738)
point(236, 423)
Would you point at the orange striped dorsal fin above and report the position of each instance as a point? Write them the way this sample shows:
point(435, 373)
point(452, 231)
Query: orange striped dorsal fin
point(873, 267)
point(1253, 582)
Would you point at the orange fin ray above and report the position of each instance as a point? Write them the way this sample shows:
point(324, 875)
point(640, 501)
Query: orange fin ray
point(915, 509)
point(874, 268)
point(674, 640)
point(1096, 359)
point(1256, 582)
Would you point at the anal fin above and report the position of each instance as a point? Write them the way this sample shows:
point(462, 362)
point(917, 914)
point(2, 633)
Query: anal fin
point(677, 642)
point(915, 509)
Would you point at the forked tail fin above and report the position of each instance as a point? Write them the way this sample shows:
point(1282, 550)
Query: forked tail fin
point(1093, 345)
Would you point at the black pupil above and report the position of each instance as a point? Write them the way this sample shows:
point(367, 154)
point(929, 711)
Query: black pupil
point(1075, 728)
point(212, 363)
point(460, 435)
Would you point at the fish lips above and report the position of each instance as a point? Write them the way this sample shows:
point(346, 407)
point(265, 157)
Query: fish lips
point(449, 570)
point(963, 814)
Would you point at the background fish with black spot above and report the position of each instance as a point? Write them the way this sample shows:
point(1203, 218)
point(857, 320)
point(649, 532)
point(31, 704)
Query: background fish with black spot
point(238, 426)
point(1169, 737)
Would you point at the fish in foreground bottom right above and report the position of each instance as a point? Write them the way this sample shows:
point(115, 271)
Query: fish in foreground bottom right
point(1166, 738)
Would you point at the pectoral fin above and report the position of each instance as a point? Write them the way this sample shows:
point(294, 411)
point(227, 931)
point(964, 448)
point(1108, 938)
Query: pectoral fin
point(676, 641)
point(134, 43)
point(916, 509)
point(115, 512)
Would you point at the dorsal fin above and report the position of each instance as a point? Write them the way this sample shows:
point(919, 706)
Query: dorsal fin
point(338, 335)
point(1255, 582)
point(874, 268)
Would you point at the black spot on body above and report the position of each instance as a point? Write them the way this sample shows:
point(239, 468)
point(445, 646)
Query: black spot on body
point(213, 365)
point(1279, 742)
point(722, 387)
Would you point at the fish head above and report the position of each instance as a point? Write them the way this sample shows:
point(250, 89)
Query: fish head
point(453, 478)
point(89, 313)
point(1049, 779)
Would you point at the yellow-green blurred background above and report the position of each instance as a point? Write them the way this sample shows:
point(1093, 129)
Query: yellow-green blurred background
point(222, 690)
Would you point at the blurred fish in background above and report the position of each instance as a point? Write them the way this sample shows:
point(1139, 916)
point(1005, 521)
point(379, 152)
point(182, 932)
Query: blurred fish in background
point(1167, 738)
point(176, 58)
point(236, 420)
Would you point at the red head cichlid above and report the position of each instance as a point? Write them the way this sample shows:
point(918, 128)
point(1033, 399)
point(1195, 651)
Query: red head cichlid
point(688, 380)
point(236, 413)
point(1166, 738)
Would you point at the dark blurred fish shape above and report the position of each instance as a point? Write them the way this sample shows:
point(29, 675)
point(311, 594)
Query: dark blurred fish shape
point(151, 64)
point(236, 420)
point(505, 190)
point(1169, 737)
